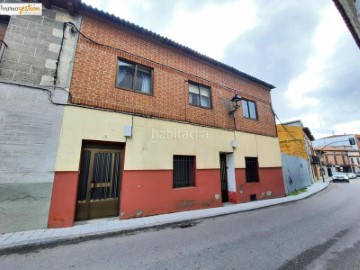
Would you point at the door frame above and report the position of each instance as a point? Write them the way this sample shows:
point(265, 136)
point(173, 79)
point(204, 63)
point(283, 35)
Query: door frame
point(224, 199)
point(230, 175)
point(98, 146)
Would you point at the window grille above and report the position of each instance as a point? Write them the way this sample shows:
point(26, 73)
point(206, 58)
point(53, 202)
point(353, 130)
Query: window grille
point(184, 171)
point(252, 169)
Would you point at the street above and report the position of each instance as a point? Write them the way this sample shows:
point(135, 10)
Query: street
point(321, 232)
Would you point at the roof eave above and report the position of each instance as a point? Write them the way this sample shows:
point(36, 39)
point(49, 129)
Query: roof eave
point(347, 22)
point(175, 45)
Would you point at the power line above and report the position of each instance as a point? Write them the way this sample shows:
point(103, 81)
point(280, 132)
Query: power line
point(287, 131)
point(236, 91)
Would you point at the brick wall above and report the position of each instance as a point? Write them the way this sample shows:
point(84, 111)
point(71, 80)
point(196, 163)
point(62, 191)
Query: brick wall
point(336, 158)
point(95, 70)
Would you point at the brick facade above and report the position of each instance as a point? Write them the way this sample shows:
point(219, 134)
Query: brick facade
point(95, 71)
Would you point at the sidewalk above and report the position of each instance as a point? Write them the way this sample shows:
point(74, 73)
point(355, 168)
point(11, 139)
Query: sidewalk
point(93, 228)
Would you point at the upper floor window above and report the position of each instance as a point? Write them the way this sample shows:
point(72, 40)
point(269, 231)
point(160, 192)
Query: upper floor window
point(249, 109)
point(134, 77)
point(199, 95)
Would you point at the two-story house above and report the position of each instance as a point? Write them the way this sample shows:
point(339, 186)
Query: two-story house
point(154, 127)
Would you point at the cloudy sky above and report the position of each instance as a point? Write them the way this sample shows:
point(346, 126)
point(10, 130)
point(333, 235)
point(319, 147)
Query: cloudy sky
point(301, 46)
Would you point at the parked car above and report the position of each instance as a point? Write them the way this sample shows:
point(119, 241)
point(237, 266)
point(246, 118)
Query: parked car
point(358, 174)
point(351, 175)
point(340, 176)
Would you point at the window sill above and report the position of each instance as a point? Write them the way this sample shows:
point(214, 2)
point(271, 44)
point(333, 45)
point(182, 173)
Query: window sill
point(134, 91)
point(198, 106)
point(249, 118)
point(182, 188)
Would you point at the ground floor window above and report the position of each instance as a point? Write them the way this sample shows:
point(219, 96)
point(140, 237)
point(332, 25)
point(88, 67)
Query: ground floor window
point(184, 171)
point(252, 169)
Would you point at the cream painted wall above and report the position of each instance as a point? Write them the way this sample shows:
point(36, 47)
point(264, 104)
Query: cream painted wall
point(267, 149)
point(86, 124)
point(154, 142)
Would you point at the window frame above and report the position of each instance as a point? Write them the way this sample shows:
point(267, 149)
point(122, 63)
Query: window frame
point(248, 108)
point(198, 85)
point(247, 177)
point(135, 73)
point(191, 183)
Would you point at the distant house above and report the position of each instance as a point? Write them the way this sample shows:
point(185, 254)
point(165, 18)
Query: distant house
point(338, 159)
point(350, 141)
point(339, 152)
point(301, 167)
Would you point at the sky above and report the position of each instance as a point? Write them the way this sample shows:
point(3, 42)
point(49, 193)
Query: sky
point(302, 47)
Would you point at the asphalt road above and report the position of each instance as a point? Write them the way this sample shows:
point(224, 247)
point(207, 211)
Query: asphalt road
point(321, 232)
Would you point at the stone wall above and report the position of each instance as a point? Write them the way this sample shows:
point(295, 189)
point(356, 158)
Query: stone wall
point(33, 48)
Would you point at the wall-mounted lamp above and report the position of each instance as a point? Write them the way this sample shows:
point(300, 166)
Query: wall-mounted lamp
point(235, 100)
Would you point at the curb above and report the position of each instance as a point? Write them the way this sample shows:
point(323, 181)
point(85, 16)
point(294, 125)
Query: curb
point(147, 223)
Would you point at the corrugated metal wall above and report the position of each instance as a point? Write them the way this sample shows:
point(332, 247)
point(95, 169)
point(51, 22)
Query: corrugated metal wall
point(296, 173)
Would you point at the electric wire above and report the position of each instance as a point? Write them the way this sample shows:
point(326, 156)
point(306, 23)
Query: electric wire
point(300, 141)
point(50, 92)
point(236, 91)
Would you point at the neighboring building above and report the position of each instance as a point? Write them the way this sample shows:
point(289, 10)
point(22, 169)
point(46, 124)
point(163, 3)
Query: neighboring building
point(354, 157)
point(346, 155)
point(339, 141)
point(301, 167)
point(350, 11)
point(151, 129)
point(30, 122)
point(336, 159)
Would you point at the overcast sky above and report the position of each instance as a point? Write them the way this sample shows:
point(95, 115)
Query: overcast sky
point(302, 47)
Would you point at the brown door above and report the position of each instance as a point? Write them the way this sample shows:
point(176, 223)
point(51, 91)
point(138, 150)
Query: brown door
point(98, 191)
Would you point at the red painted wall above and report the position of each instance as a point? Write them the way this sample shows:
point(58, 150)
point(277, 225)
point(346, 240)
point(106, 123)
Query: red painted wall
point(146, 193)
point(271, 179)
point(63, 200)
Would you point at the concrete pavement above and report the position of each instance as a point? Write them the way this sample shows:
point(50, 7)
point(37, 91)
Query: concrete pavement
point(100, 227)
